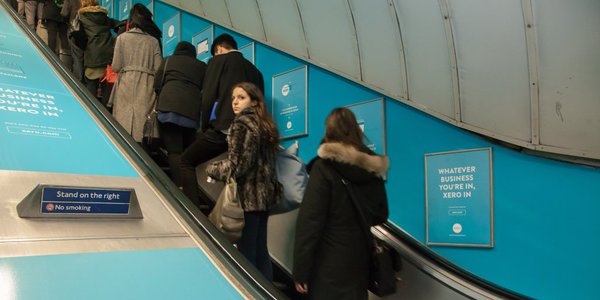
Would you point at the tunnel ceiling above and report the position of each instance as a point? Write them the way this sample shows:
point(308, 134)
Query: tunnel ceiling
point(525, 72)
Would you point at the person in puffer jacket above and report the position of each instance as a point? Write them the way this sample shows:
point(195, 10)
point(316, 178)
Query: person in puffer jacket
point(98, 52)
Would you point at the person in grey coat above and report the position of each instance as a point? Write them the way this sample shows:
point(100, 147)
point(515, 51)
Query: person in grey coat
point(136, 58)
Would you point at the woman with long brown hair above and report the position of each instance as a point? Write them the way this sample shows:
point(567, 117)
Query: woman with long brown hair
point(330, 257)
point(252, 151)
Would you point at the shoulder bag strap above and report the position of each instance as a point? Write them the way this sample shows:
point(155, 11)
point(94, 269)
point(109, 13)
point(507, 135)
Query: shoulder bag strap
point(366, 228)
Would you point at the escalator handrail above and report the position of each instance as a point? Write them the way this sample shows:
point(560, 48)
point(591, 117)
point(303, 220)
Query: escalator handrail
point(445, 271)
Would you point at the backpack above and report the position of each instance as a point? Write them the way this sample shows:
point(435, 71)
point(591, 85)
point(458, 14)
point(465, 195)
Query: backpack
point(292, 174)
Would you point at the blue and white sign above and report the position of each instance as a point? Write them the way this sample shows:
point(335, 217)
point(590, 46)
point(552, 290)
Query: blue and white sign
point(171, 34)
point(248, 51)
point(459, 198)
point(203, 41)
point(124, 8)
point(58, 200)
point(290, 92)
point(370, 116)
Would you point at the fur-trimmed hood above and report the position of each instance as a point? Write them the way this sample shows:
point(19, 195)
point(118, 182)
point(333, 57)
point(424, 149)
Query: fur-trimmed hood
point(93, 9)
point(347, 154)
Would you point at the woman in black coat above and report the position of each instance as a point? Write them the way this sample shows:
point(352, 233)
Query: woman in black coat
point(330, 253)
point(179, 100)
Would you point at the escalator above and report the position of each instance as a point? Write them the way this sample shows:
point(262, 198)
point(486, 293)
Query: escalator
point(55, 134)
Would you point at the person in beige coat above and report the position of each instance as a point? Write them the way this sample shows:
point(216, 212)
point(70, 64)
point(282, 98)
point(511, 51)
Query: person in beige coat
point(136, 58)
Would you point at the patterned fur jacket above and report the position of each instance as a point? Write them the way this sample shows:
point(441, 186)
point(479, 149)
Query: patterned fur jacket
point(252, 162)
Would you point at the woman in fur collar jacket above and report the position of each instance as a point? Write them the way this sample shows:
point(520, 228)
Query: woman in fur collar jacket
point(330, 253)
point(253, 145)
point(98, 51)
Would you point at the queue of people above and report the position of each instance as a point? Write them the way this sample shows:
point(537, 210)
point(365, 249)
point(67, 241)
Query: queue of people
point(206, 110)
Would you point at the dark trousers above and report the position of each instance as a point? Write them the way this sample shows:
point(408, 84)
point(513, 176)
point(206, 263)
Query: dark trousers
point(92, 86)
point(77, 55)
point(253, 243)
point(57, 30)
point(206, 146)
point(175, 139)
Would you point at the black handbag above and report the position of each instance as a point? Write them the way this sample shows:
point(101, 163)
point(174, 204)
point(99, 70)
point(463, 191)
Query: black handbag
point(151, 135)
point(382, 276)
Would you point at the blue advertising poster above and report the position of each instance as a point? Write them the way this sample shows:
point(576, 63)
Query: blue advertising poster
point(171, 29)
point(58, 200)
point(248, 51)
point(370, 116)
point(459, 198)
point(290, 90)
point(124, 8)
point(150, 6)
point(203, 41)
point(108, 4)
point(43, 126)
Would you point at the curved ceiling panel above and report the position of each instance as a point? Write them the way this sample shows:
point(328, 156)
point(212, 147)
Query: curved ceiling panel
point(426, 54)
point(569, 73)
point(492, 62)
point(217, 11)
point(522, 71)
point(379, 37)
point(283, 26)
point(330, 35)
point(192, 6)
point(245, 17)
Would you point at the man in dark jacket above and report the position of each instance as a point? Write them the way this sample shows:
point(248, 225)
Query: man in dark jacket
point(227, 68)
point(56, 26)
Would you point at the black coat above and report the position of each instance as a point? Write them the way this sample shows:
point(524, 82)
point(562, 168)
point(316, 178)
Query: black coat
point(181, 91)
point(330, 252)
point(51, 11)
point(223, 72)
point(100, 43)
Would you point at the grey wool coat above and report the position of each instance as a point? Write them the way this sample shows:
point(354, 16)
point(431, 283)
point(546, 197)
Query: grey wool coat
point(137, 57)
point(252, 162)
